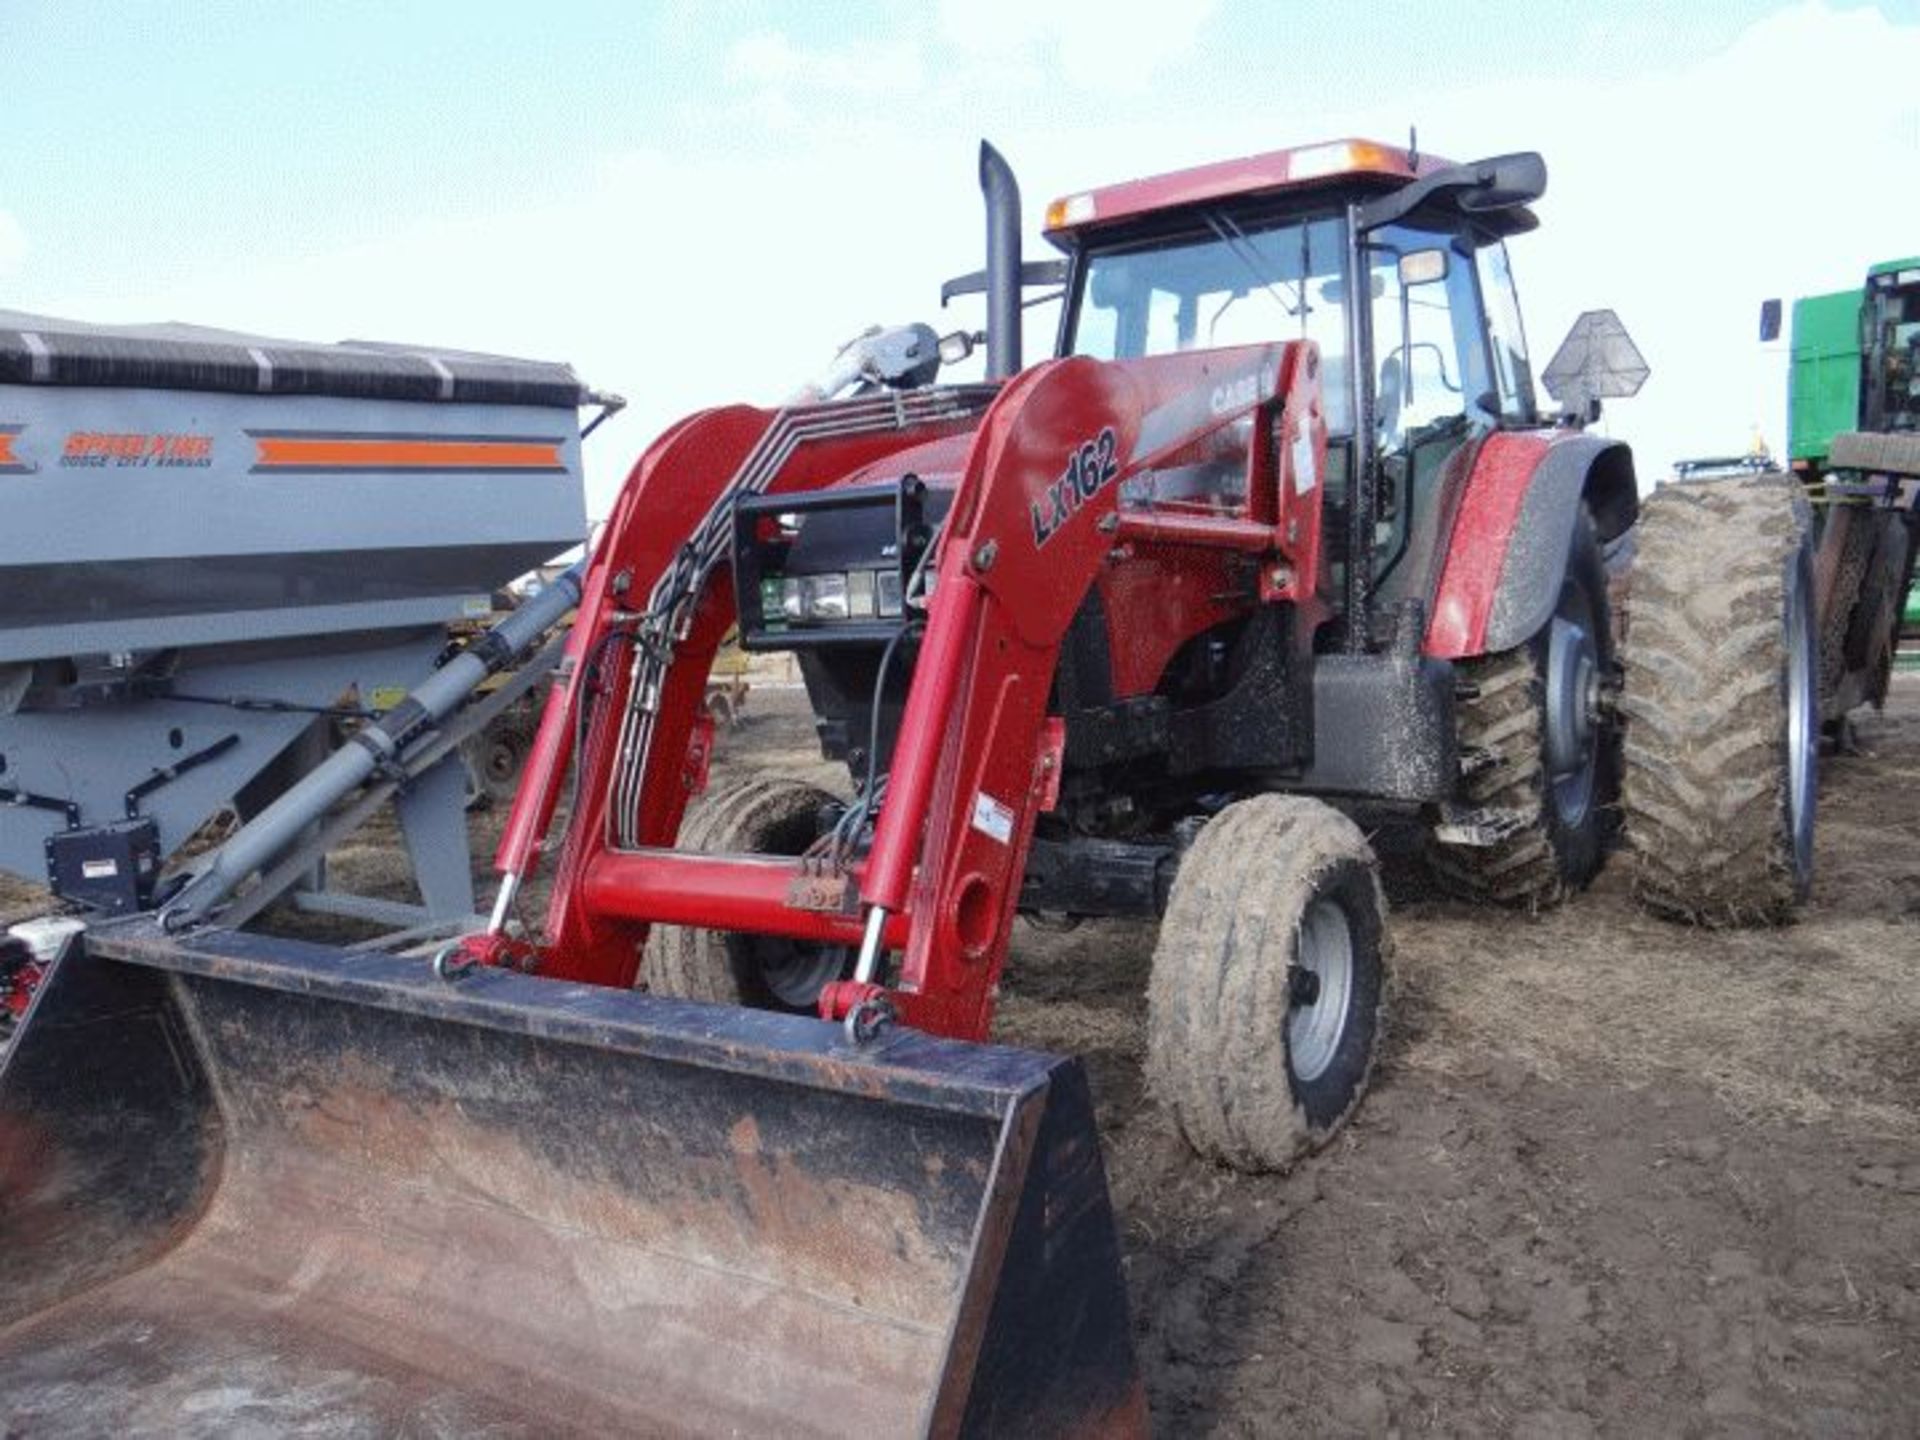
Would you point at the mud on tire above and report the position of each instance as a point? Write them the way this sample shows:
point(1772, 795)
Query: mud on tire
point(1721, 702)
point(1254, 1062)
point(1873, 628)
point(1555, 847)
point(768, 816)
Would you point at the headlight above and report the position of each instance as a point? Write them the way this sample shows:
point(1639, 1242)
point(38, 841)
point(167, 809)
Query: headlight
point(826, 597)
point(887, 593)
point(834, 596)
point(860, 594)
point(837, 595)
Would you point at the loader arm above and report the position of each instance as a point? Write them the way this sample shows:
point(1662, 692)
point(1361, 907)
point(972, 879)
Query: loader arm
point(721, 433)
point(658, 601)
point(1035, 515)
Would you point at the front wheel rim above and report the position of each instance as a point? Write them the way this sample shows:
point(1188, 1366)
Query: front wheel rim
point(1321, 995)
point(795, 971)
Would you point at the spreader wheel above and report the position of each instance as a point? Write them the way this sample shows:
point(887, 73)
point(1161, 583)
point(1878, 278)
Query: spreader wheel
point(754, 817)
point(1722, 701)
point(1268, 982)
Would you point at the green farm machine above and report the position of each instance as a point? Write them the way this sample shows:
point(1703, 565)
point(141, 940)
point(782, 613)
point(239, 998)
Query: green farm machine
point(1854, 440)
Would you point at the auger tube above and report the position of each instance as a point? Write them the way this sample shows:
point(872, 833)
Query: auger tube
point(374, 746)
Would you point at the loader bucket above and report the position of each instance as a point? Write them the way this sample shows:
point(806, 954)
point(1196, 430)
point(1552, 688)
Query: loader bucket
point(258, 1185)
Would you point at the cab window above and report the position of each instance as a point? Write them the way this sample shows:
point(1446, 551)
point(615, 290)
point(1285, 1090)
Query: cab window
point(1433, 391)
point(1233, 283)
point(1506, 338)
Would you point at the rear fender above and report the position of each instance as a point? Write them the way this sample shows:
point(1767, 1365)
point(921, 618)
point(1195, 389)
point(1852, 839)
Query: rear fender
point(1507, 554)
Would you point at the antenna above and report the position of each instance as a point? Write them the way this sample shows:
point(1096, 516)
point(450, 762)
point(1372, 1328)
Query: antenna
point(1413, 148)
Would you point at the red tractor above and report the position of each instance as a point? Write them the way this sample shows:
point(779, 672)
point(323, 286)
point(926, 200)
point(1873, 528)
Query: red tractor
point(1281, 529)
point(1282, 526)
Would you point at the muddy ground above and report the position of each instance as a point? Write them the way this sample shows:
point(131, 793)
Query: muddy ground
point(1614, 1178)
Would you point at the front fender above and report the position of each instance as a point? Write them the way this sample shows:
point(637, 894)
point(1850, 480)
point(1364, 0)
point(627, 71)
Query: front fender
point(1507, 553)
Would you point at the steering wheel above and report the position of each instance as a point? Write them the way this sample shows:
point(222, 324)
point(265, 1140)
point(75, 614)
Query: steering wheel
point(1447, 382)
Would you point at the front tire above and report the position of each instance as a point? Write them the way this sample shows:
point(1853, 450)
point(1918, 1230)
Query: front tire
point(1722, 701)
point(1269, 981)
point(765, 972)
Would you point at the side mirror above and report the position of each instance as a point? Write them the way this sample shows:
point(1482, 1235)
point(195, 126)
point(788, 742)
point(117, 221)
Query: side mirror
point(1505, 182)
point(1769, 321)
point(1486, 187)
point(1597, 359)
point(1422, 267)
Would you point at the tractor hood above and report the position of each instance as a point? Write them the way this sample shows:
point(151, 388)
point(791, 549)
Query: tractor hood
point(938, 463)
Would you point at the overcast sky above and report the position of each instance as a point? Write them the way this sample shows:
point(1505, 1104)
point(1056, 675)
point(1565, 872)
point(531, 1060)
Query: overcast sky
point(696, 202)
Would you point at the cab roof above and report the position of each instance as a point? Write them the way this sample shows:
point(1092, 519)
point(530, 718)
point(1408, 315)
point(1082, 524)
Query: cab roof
point(1324, 163)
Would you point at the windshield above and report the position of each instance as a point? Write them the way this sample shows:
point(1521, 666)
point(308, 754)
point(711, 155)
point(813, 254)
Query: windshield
point(1228, 285)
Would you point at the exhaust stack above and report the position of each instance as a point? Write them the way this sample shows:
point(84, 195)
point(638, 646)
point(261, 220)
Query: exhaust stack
point(1002, 194)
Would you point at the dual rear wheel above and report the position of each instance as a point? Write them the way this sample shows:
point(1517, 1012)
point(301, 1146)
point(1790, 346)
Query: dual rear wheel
point(1707, 762)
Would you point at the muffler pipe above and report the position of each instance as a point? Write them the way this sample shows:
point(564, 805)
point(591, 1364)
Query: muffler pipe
point(1002, 193)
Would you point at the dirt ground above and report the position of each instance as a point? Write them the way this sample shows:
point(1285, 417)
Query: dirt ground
point(1615, 1177)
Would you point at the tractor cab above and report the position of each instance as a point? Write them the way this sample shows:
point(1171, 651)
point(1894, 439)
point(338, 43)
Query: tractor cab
point(1890, 346)
point(1404, 287)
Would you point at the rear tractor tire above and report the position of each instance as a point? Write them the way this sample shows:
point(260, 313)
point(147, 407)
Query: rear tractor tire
point(1269, 981)
point(1722, 702)
point(765, 972)
point(1547, 751)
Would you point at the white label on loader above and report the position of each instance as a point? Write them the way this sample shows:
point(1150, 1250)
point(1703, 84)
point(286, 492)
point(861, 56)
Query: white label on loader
point(99, 869)
point(992, 819)
point(1303, 477)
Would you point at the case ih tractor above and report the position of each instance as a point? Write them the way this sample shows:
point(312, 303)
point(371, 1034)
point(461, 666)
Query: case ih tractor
point(1281, 528)
point(1282, 523)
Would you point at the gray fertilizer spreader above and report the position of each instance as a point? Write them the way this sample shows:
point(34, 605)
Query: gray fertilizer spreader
point(221, 556)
